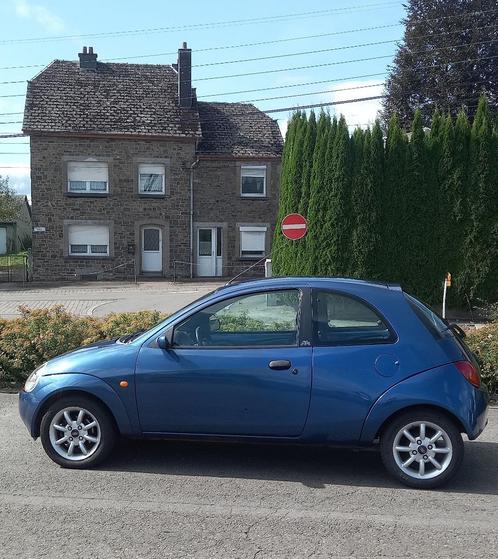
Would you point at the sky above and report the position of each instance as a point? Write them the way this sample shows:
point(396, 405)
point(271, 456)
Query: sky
point(35, 32)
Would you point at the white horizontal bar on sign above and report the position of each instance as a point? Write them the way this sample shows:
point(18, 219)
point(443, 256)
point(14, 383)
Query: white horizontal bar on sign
point(294, 226)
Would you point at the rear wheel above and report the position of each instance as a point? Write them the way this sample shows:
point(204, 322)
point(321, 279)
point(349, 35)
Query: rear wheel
point(77, 432)
point(423, 449)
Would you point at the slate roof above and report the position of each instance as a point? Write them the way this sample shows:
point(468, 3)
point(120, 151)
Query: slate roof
point(142, 99)
point(238, 130)
point(116, 99)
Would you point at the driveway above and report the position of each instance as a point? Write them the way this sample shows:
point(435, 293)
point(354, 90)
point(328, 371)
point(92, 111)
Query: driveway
point(101, 298)
point(173, 500)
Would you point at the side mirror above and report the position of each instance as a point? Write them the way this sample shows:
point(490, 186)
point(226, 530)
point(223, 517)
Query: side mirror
point(163, 342)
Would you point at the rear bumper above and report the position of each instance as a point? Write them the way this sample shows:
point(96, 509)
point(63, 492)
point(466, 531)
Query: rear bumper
point(478, 413)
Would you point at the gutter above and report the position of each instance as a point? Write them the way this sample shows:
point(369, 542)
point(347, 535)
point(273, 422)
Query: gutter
point(192, 167)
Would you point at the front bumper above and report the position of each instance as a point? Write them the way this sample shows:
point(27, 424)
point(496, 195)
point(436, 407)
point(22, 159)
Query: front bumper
point(29, 405)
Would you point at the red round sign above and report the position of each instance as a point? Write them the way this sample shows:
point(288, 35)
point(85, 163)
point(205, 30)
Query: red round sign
point(294, 226)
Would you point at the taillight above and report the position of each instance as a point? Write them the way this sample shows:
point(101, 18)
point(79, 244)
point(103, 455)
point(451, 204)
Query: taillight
point(469, 371)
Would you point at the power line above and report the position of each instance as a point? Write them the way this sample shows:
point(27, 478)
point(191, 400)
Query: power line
point(10, 121)
point(226, 23)
point(14, 113)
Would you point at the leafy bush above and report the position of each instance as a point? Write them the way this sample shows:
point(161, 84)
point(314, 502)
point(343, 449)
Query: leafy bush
point(38, 335)
point(484, 343)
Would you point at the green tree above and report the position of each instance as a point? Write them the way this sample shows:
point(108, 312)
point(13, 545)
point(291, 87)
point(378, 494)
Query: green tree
point(375, 215)
point(301, 259)
point(447, 57)
point(279, 242)
point(317, 204)
point(480, 250)
point(393, 198)
point(335, 233)
point(419, 242)
point(295, 183)
point(8, 202)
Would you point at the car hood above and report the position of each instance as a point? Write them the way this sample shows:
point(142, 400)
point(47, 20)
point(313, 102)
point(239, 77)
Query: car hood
point(98, 359)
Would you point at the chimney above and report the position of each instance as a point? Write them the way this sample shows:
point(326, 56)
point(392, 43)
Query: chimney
point(185, 77)
point(88, 59)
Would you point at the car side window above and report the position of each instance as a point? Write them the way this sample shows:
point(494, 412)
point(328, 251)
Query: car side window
point(267, 319)
point(339, 319)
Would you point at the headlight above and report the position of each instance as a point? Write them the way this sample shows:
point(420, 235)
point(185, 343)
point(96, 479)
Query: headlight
point(33, 378)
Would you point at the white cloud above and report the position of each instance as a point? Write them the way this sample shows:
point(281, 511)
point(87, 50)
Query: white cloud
point(363, 113)
point(42, 15)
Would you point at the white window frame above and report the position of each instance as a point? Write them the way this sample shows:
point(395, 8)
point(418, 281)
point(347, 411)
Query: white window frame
point(88, 245)
point(252, 229)
point(82, 164)
point(260, 168)
point(163, 175)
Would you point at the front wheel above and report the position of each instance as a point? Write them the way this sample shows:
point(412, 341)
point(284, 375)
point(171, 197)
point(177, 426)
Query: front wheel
point(77, 432)
point(422, 449)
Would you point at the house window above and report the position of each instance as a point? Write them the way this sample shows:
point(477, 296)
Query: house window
point(88, 177)
point(253, 181)
point(88, 240)
point(151, 179)
point(252, 242)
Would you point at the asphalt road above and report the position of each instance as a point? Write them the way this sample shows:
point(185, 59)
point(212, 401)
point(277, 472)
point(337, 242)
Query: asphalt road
point(174, 500)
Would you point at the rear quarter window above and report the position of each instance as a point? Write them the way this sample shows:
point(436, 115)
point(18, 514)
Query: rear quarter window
point(434, 323)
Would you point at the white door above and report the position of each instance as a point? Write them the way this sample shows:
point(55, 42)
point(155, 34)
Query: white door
point(3, 240)
point(209, 255)
point(152, 249)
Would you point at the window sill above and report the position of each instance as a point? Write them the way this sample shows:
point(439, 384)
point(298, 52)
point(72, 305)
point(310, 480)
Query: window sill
point(153, 196)
point(87, 194)
point(82, 257)
point(250, 197)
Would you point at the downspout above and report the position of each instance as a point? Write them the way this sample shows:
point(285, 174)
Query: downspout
point(192, 167)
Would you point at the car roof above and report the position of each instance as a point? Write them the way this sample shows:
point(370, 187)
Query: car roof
point(300, 281)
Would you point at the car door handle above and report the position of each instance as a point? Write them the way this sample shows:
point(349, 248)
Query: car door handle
point(280, 365)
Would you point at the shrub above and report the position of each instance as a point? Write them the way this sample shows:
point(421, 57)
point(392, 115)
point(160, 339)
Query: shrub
point(484, 343)
point(38, 335)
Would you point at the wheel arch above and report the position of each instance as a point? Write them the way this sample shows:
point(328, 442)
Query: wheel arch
point(420, 407)
point(70, 393)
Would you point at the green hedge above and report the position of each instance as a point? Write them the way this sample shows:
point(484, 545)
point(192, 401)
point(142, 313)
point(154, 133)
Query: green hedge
point(484, 343)
point(39, 335)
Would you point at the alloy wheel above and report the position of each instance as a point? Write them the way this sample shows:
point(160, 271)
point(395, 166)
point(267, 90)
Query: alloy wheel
point(75, 433)
point(422, 450)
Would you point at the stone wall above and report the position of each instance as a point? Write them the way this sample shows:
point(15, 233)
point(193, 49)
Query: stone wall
point(217, 202)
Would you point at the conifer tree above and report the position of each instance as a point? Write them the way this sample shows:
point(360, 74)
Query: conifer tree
point(377, 178)
point(335, 236)
point(480, 252)
point(393, 203)
point(279, 244)
point(295, 183)
point(418, 233)
point(301, 252)
point(317, 204)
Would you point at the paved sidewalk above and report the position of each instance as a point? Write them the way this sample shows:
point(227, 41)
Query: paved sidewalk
point(101, 298)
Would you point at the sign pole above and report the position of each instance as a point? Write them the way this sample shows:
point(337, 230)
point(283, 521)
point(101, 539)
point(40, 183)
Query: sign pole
point(447, 283)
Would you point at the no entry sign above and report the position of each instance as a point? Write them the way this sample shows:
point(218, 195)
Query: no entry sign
point(294, 226)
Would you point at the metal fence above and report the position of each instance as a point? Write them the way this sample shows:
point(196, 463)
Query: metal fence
point(14, 267)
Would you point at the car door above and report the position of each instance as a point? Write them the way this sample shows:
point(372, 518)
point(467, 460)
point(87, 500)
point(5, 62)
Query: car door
point(356, 357)
point(236, 367)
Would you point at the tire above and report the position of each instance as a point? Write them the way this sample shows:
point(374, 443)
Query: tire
point(93, 432)
point(404, 465)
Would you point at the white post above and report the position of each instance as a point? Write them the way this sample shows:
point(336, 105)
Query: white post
point(444, 298)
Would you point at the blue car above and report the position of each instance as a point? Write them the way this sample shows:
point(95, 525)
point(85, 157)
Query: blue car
point(282, 360)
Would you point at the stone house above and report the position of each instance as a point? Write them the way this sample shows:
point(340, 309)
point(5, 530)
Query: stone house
point(15, 233)
point(132, 175)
